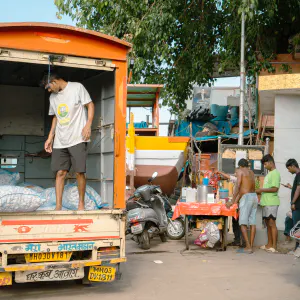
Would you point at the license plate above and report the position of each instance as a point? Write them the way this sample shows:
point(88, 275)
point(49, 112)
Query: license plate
point(5, 279)
point(137, 228)
point(104, 274)
point(48, 256)
point(49, 275)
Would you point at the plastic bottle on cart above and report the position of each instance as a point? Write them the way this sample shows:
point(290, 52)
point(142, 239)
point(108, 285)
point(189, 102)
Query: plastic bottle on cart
point(191, 195)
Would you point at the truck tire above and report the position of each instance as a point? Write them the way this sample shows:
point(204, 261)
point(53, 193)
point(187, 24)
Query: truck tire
point(144, 240)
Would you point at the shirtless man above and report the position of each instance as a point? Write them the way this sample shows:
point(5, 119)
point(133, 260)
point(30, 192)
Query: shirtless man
point(244, 194)
point(238, 240)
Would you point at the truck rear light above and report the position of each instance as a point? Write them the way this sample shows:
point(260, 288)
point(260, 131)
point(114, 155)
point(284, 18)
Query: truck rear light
point(108, 252)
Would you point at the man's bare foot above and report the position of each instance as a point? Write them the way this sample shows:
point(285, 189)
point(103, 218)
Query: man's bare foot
point(58, 208)
point(81, 206)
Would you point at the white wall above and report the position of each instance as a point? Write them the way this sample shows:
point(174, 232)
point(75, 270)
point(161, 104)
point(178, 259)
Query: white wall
point(21, 110)
point(219, 96)
point(286, 145)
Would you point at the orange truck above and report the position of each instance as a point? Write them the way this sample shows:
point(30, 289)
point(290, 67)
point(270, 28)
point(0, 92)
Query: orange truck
point(62, 245)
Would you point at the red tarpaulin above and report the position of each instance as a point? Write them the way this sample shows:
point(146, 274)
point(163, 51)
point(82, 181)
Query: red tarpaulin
point(203, 209)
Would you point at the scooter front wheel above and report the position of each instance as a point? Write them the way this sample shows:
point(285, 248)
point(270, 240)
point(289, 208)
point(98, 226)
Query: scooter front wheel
point(175, 229)
point(144, 240)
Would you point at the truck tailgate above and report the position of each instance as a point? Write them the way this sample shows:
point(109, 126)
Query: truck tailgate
point(61, 226)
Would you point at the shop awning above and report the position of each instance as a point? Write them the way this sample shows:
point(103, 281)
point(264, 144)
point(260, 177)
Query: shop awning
point(143, 94)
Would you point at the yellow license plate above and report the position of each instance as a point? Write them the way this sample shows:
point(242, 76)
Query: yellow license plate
point(5, 279)
point(104, 274)
point(48, 256)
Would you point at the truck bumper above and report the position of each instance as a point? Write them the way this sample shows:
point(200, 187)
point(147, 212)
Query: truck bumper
point(56, 265)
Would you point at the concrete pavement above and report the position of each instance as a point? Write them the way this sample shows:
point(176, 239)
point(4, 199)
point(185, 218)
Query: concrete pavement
point(182, 275)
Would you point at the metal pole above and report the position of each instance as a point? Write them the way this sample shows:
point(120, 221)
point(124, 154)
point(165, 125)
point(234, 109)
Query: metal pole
point(219, 153)
point(242, 87)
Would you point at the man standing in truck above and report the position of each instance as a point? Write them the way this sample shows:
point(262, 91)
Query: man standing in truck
point(73, 112)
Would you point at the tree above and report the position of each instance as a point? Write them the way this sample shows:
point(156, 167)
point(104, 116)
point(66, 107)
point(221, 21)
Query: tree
point(181, 43)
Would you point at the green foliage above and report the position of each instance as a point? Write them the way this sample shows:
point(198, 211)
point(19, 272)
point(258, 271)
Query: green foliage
point(181, 43)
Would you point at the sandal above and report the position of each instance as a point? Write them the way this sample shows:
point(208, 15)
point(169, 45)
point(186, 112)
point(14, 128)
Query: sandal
point(271, 250)
point(263, 247)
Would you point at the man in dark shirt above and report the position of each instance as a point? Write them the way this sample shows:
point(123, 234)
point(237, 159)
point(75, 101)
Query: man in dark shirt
point(293, 167)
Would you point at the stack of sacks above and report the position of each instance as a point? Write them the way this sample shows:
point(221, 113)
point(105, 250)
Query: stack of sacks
point(92, 200)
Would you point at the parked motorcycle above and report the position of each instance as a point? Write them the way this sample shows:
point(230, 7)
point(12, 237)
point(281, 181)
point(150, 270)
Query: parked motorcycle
point(146, 214)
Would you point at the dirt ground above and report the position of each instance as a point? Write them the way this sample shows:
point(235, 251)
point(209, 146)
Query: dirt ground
point(182, 275)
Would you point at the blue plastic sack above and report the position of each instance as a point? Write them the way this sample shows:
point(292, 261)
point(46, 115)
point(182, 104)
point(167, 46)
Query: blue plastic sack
point(92, 200)
point(32, 186)
point(9, 178)
point(19, 199)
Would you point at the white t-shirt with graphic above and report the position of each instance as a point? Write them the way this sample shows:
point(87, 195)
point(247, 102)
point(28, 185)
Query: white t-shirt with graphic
point(68, 106)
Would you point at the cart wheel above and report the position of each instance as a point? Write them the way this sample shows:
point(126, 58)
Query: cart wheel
point(186, 225)
point(225, 234)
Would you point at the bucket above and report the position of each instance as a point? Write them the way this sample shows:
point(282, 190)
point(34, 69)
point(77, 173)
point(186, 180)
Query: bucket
point(234, 111)
point(219, 111)
point(224, 193)
point(205, 181)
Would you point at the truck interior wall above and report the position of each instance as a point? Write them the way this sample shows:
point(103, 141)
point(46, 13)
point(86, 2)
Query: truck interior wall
point(100, 161)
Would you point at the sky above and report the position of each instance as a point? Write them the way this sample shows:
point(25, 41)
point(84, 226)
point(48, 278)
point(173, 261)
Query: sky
point(45, 11)
point(30, 11)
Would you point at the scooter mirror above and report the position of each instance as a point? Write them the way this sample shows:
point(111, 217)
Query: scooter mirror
point(154, 175)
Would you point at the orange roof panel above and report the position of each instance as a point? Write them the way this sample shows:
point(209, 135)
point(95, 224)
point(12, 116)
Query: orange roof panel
point(62, 39)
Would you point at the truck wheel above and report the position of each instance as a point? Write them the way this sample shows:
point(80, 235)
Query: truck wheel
point(144, 240)
point(163, 237)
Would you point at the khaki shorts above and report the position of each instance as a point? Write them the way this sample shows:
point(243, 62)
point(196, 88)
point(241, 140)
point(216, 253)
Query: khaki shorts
point(65, 158)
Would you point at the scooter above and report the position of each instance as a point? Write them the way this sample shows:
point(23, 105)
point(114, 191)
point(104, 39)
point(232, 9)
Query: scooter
point(146, 214)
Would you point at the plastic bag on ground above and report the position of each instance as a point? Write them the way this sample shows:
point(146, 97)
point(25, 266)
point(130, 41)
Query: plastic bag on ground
point(208, 236)
point(92, 200)
point(19, 199)
point(213, 234)
point(9, 178)
point(32, 186)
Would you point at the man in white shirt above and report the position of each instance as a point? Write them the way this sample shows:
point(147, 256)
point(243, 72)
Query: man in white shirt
point(73, 112)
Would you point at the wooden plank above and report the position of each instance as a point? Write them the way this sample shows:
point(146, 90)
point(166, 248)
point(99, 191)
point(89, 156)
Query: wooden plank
point(264, 129)
point(258, 128)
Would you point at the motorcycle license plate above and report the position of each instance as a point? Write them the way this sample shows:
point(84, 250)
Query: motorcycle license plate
point(137, 228)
